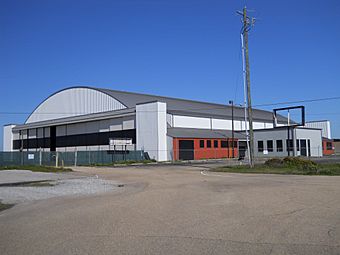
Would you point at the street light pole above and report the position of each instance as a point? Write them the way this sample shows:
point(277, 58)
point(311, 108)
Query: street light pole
point(231, 102)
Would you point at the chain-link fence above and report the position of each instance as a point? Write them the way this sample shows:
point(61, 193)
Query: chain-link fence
point(242, 153)
point(76, 158)
point(82, 158)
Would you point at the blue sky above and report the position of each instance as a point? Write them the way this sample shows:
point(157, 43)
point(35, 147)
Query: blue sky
point(179, 48)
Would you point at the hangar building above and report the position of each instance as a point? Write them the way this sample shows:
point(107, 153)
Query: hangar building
point(86, 118)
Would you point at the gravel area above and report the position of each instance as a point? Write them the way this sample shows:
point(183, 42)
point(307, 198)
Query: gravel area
point(61, 185)
point(10, 176)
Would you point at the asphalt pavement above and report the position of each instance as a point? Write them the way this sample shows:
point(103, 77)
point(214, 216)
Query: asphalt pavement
point(181, 210)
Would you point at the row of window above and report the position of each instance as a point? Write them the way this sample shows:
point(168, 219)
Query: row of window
point(217, 144)
point(329, 146)
point(87, 139)
point(270, 148)
point(279, 145)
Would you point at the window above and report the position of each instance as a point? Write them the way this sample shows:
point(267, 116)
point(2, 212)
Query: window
point(208, 143)
point(260, 146)
point(201, 143)
point(297, 145)
point(215, 143)
point(289, 144)
point(231, 144)
point(270, 145)
point(224, 144)
point(235, 144)
point(279, 145)
point(329, 146)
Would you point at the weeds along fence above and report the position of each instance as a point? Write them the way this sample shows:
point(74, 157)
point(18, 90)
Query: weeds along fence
point(76, 158)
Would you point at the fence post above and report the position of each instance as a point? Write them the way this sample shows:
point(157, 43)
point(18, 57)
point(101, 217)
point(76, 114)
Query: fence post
point(75, 157)
point(56, 159)
point(40, 156)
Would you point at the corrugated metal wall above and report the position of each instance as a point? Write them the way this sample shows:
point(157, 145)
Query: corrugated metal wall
point(323, 125)
point(73, 102)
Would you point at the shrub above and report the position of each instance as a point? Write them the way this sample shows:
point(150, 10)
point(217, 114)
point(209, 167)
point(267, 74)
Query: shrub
point(300, 163)
point(305, 165)
point(274, 162)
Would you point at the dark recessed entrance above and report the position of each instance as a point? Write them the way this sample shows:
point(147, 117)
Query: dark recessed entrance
point(186, 149)
point(303, 147)
point(53, 138)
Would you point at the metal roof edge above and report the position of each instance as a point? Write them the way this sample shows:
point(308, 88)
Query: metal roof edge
point(67, 88)
point(78, 119)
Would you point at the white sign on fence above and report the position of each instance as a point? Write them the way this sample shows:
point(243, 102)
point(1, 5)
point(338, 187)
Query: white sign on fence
point(30, 156)
point(120, 141)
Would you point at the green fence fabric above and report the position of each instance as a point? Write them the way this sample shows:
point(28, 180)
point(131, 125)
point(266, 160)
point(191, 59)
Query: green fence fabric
point(76, 158)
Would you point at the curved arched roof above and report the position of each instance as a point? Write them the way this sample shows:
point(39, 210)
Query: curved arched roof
point(74, 101)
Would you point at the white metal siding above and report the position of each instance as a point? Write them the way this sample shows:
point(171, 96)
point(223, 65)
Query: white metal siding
point(314, 135)
point(151, 128)
point(211, 123)
point(121, 123)
point(8, 138)
point(169, 120)
point(259, 125)
point(325, 126)
point(73, 102)
point(191, 122)
point(222, 124)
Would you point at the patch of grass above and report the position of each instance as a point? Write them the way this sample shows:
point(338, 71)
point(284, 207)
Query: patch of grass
point(49, 169)
point(289, 165)
point(329, 169)
point(5, 206)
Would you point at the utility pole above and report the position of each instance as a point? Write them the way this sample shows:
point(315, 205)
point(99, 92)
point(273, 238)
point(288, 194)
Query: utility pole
point(232, 127)
point(247, 23)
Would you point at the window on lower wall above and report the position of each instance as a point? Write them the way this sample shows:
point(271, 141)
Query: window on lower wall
point(289, 144)
point(201, 143)
point(208, 143)
point(215, 143)
point(224, 144)
point(297, 145)
point(88, 139)
point(270, 145)
point(279, 145)
point(260, 146)
point(231, 144)
point(329, 146)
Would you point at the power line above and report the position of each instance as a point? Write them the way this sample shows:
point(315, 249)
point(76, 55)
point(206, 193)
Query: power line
point(25, 113)
point(300, 101)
